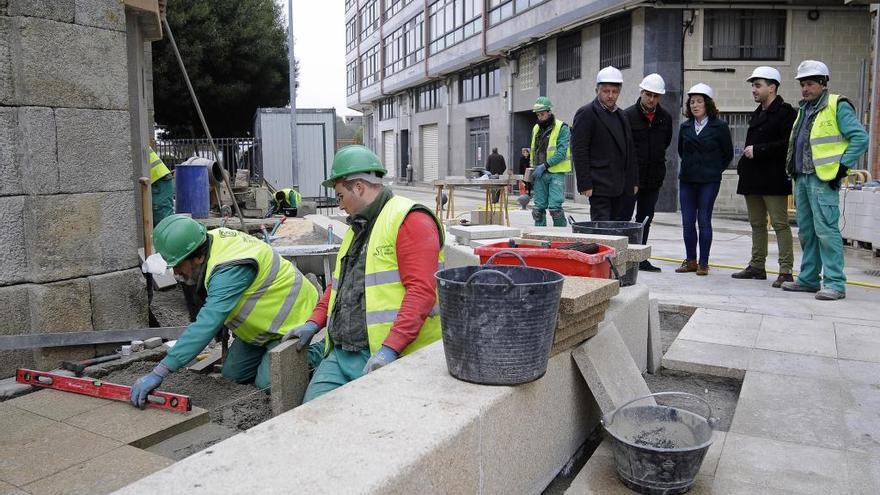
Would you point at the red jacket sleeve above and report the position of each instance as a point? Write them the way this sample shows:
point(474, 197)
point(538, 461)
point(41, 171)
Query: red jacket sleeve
point(319, 314)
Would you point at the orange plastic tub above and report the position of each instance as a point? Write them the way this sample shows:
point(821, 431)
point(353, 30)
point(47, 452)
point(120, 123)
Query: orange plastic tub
point(564, 261)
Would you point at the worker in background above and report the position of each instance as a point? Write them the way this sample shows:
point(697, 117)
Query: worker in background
point(652, 133)
point(286, 199)
point(826, 141)
point(161, 187)
point(551, 159)
point(496, 165)
point(762, 178)
point(247, 287)
point(603, 150)
point(382, 302)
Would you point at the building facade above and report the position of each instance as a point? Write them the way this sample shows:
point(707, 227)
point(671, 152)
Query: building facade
point(442, 82)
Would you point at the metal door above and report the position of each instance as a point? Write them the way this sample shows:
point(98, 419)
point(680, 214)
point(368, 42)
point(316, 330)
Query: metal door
point(388, 152)
point(478, 142)
point(430, 152)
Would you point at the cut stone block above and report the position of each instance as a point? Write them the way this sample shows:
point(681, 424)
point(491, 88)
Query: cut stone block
point(797, 336)
point(185, 444)
point(103, 474)
point(609, 369)
point(57, 405)
point(571, 341)
point(629, 312)
point(564, 320)
point(655, 343)
point(786, 363)
point(721, 318)
point(15, 321)
point(578, 327)
point(61, 307)
point(725, 329)
point(7, 87)
point(636, 253)
point(152, 342)
point(466, 233)
point(28, 153)
point(13, 256)
point(10, 388)
point(458, 256)
point(34, 447)
point(9, 169)
point(100, 138)
point(288, 376)
point(582, 293)
point(858, 342)
point(709, 359)
point(104, 14)
point(859, 371)
point(58, 10)
point(140, 428)
point(119, 300)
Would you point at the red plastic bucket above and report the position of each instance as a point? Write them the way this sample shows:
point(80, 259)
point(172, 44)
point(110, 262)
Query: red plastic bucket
point(564, 261)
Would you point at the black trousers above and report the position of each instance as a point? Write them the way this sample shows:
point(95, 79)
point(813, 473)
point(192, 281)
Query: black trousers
point(607, 208)
point(643, 203)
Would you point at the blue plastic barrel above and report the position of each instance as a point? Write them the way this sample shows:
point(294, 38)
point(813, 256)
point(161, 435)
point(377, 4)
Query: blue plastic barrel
point(191, 187)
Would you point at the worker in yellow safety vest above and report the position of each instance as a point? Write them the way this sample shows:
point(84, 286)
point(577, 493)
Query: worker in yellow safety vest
point(161, 186)
point(285, 200)
point(382, 300)
point(247, 287)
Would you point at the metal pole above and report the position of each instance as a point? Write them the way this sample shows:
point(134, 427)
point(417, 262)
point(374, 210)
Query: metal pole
point(292, 69)
point(195, 100)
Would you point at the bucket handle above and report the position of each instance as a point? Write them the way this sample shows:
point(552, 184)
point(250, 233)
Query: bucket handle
point(613, 269)
point(506, 251)
point(474, 275)
point(571, 219)
point(709, 419)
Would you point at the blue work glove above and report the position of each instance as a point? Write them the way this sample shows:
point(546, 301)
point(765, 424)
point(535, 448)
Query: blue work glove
point(385, 355)
point(146, 384)
point(304, 333)
point(539, 171)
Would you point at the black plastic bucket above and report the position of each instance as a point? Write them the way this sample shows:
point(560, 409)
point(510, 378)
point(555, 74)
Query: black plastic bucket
point(499, 321)
point(631, 230)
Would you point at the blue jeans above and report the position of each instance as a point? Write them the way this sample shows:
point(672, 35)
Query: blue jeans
point(697, 200)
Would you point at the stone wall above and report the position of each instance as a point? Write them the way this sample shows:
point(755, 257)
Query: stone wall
point(68, 215)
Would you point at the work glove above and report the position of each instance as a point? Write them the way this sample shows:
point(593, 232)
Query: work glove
point(385, 355)
point(146, 384)
point(304, 333)
point(539, 171)
point(154, 264)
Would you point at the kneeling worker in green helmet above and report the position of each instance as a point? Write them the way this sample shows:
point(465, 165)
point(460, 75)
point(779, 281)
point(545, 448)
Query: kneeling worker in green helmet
point(247, 287)
point(382, 301)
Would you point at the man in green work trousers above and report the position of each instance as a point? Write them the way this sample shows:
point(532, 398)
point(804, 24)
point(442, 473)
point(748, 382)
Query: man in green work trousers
point(826, 140)
point(382, 300)
point(551, 159)
point(161, 188)
point(247, 287)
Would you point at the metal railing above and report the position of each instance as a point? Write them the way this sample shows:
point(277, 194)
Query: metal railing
point(235, 153)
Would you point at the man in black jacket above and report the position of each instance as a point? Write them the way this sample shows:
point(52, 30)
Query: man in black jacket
point(652, 133)
point(603, 150)
point(762, 177)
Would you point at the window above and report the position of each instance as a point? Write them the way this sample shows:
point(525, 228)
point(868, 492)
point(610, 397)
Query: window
point(614, 42)
point(744, 35)
point(369, 18)
point(568, 57)
point(351, 34)
point(479, 82)
point(452, 21)
point(429, 97)
point(349, 3)
point(394, 6)
point(738, 122)
point(528, 62)
point(405, 46)
point(500, 10)
point(351, 78)
point(370, 66)
point(386, 109)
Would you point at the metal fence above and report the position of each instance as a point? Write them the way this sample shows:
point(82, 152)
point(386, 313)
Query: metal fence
point(235, 153)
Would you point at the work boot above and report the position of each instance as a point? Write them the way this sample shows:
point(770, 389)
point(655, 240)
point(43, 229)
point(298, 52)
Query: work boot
point(687, 266)
point(558, 217)
point(540, 217)
point(751, 273)
point(783, 277)
point(827, 294)
point(796, 287)
point(646, 266)
point(702, 270)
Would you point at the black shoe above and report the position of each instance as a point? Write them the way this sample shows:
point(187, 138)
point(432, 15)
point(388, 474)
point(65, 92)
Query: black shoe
point(751, 273)
point(781, 279)
point(646, 266)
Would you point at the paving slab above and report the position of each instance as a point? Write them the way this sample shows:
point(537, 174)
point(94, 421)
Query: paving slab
point(140, 428)
point(57, 405)
point(709, 359)
point(786, 363)
point(608, 367)
point(859, 371)
point(563, 319)
point(718, 332)
point(288, 376)
point(573, 327)
point(103, 474)
point(863, 473)
point(655, 341)
point(185, 444)
point(726, 318)
point(797, 336)
point(7, 489)
point(573, 340)
point(27, 437)
point(782, 465)
point(629, 312)
point(582, 293)
point(805, 411)
point(858, 342)
point(636, 253)
point(466, 233)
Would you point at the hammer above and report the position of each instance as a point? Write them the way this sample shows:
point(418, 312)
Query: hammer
point(79, 367)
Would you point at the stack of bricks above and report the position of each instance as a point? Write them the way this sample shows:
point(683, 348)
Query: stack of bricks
point(581, 309)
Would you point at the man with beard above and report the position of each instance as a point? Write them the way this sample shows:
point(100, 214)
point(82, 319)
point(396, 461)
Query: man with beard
point(247, 287)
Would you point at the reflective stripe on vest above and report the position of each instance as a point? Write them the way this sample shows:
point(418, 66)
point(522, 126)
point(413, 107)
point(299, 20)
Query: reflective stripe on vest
point(564, 165)
point(157, 167)
point(826, 141)
point(275, 302)
point(384, 291)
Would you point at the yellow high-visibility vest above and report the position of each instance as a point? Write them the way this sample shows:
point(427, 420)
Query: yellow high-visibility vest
point(279, 298)
point(157, 167)
point(826, 142)
point(564, 165)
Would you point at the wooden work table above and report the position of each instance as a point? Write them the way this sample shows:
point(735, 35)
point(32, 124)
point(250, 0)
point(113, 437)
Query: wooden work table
point(501, 184)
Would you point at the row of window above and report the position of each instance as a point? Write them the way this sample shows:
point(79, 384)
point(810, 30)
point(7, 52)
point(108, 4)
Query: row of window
point(405, 46)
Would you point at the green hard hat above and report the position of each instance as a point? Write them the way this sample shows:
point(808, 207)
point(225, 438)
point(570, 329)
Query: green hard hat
point(177, 236)
point(353, 159)
point(541, 104)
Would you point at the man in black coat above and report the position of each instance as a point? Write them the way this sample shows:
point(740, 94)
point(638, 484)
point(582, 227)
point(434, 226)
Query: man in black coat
point(496, 166)
point(762, 177)
point(652, 133)
point(603, 151)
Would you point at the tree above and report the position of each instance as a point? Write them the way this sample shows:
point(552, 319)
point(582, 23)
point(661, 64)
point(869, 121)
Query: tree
point(235, 52)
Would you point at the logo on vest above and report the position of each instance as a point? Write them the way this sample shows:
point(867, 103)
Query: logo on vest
point(386, 250)
point(228, 233)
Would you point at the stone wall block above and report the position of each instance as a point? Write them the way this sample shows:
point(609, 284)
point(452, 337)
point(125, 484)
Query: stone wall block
point(6, 85)
point(13, 257)
point(66, 65)
point(119, 300)
point(61, 307)
point(95, 150)
point(10, 180)
point(36, 153)
point(104, 14)
point(16, 320)
point(56, 10)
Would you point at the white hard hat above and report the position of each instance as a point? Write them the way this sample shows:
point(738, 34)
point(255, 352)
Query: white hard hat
point(609, 75)
point(764, 72)
point(653, 83)
point(810, 68)
point(702, 89)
